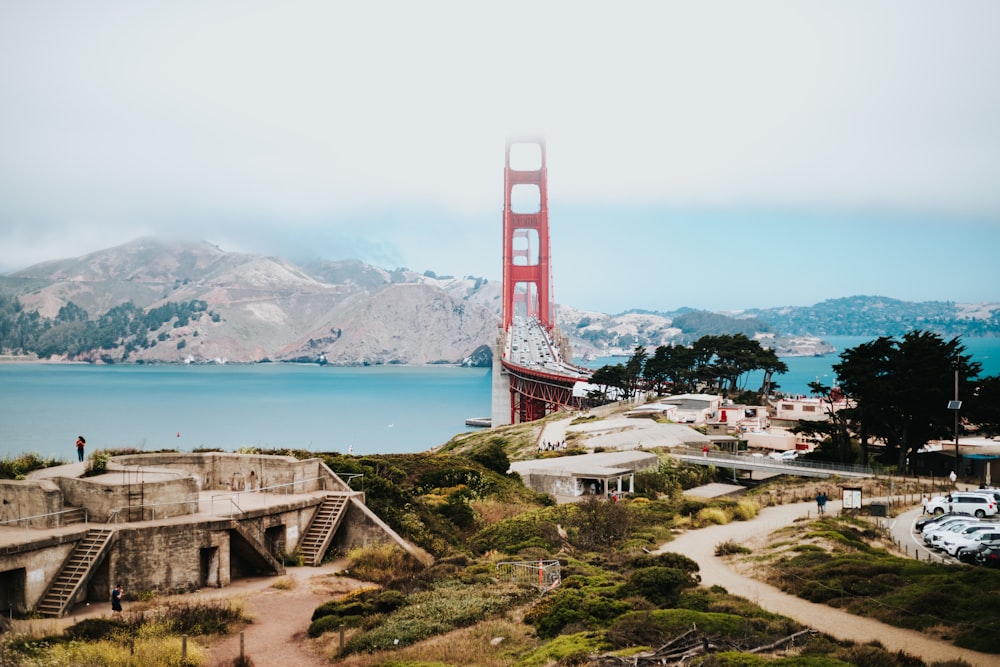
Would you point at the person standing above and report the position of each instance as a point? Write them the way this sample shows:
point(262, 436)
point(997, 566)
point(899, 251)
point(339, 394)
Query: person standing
point(821, 502)
point(954, 478)
point(80, 444)
point(923, 504)
point(116, 600)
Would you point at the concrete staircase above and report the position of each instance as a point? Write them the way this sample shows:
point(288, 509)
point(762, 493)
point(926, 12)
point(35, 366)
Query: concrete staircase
point(75, 572)
point(322, 528)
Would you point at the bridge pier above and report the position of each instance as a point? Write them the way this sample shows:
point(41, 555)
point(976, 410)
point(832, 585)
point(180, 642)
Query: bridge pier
point(501, 400)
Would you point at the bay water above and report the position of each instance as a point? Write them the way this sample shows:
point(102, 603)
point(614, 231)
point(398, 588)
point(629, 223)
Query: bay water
point(365, 410)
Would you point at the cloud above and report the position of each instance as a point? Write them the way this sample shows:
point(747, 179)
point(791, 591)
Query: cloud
point(379, 128)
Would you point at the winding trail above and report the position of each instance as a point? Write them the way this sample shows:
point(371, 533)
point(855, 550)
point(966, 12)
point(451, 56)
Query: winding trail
point(700, 544)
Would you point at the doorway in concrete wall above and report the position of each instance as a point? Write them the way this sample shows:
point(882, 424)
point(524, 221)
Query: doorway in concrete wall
point(274, 540)
point(12, 592)
point(210, 567)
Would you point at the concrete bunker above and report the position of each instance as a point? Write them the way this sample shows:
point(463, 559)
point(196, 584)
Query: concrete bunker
point(171, 523)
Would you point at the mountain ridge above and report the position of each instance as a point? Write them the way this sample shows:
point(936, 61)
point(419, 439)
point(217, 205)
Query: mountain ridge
point(345, 312)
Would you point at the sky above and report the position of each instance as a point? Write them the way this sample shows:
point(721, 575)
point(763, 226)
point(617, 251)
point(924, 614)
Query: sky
point(717, 155)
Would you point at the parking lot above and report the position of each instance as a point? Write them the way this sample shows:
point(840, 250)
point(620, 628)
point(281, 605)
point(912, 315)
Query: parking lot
point(960, 527)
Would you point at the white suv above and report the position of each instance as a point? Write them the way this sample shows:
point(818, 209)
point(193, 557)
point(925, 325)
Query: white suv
point(975, 504)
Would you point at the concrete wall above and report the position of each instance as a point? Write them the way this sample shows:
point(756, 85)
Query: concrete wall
point(27, 570)
point(160, 499)
point(362, 528)
point(220, 471)
point(29, 498)
point(165, 558)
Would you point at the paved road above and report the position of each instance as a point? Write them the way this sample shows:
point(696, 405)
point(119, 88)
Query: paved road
point(700, 546)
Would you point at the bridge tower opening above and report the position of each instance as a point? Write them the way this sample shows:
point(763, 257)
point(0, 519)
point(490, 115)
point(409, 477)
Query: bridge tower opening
point(527, 269)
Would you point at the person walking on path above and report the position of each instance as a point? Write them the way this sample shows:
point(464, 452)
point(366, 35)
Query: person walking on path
point(821, 502)
point(116, 600)
point(923, 504)
point(954, 479)
point(80, 444)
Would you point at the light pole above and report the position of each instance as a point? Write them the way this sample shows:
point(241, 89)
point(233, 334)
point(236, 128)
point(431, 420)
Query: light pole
point(955, 406)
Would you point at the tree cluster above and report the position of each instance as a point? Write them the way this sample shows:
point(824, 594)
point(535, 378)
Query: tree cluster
point(899, 393)
point(72, 333)
point(715, 364)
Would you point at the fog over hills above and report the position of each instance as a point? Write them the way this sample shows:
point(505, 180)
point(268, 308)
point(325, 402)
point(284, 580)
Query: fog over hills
point(350, 313)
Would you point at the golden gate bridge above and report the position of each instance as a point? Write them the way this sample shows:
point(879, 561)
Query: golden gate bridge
point(533, 373)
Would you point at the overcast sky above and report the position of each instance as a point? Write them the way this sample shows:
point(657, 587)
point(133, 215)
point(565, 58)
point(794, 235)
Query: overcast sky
point(718, 155)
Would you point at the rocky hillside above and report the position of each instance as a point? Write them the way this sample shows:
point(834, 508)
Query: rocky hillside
point(265, 308)
point(253, 308)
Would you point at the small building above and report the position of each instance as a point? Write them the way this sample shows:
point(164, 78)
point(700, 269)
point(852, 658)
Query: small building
point(694, 408)
point(776, 440)
point(658, 409)
point(572, 477)
point(806, 408)
point(741, 418)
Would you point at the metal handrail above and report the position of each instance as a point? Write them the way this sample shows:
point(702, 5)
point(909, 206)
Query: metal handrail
point(114, 513)
point(27, 519)
point(782, 465)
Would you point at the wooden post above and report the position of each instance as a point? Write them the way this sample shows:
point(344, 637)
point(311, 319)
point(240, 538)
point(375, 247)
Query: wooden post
point(184, 647)
point(341, 639)
point(242, 656)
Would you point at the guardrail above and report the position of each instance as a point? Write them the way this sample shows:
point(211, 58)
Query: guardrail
point(152, 507)
point(61, 515)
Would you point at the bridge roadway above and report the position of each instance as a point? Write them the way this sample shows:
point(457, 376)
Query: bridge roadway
point(797, 467)
point(529, 347)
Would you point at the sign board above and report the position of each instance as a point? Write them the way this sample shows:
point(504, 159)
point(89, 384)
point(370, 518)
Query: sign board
point(852, 498)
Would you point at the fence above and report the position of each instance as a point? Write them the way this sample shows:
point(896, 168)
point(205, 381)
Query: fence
point(544, 575)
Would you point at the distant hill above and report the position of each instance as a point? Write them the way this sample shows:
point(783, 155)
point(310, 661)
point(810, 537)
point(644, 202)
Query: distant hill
point(882, 316)
point(157, 301)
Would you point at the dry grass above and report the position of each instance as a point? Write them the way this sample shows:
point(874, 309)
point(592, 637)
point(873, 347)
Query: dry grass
point(285, 583)
point(491, 511)
point(494, 643)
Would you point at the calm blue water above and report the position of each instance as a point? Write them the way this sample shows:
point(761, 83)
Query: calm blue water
point(43, 407)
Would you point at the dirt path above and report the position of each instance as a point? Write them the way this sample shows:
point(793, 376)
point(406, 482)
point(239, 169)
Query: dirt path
point(277, 635)
point(700, 546)
point(281, 616)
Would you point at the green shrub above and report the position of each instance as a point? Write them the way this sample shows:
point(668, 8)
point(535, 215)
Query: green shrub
point(708, 515)
point(17, 467)
point(660, 585)
point(574, 607)
point(331, 623)
point(745, 510)
point(730, 547)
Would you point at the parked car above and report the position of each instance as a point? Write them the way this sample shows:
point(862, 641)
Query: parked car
point(990, 556)
point(989, 493)
point(971, 555)
point(933, 537)
point(962, 501)
point(969, 537)
point(946, 521)
point(925, 522)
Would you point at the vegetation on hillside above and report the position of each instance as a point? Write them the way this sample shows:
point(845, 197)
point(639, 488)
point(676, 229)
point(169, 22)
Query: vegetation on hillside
point(837, 561)
point(112, 336)
point(151, 635)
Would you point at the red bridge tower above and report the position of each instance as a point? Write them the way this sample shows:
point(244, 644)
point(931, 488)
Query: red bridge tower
point(527, 272)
